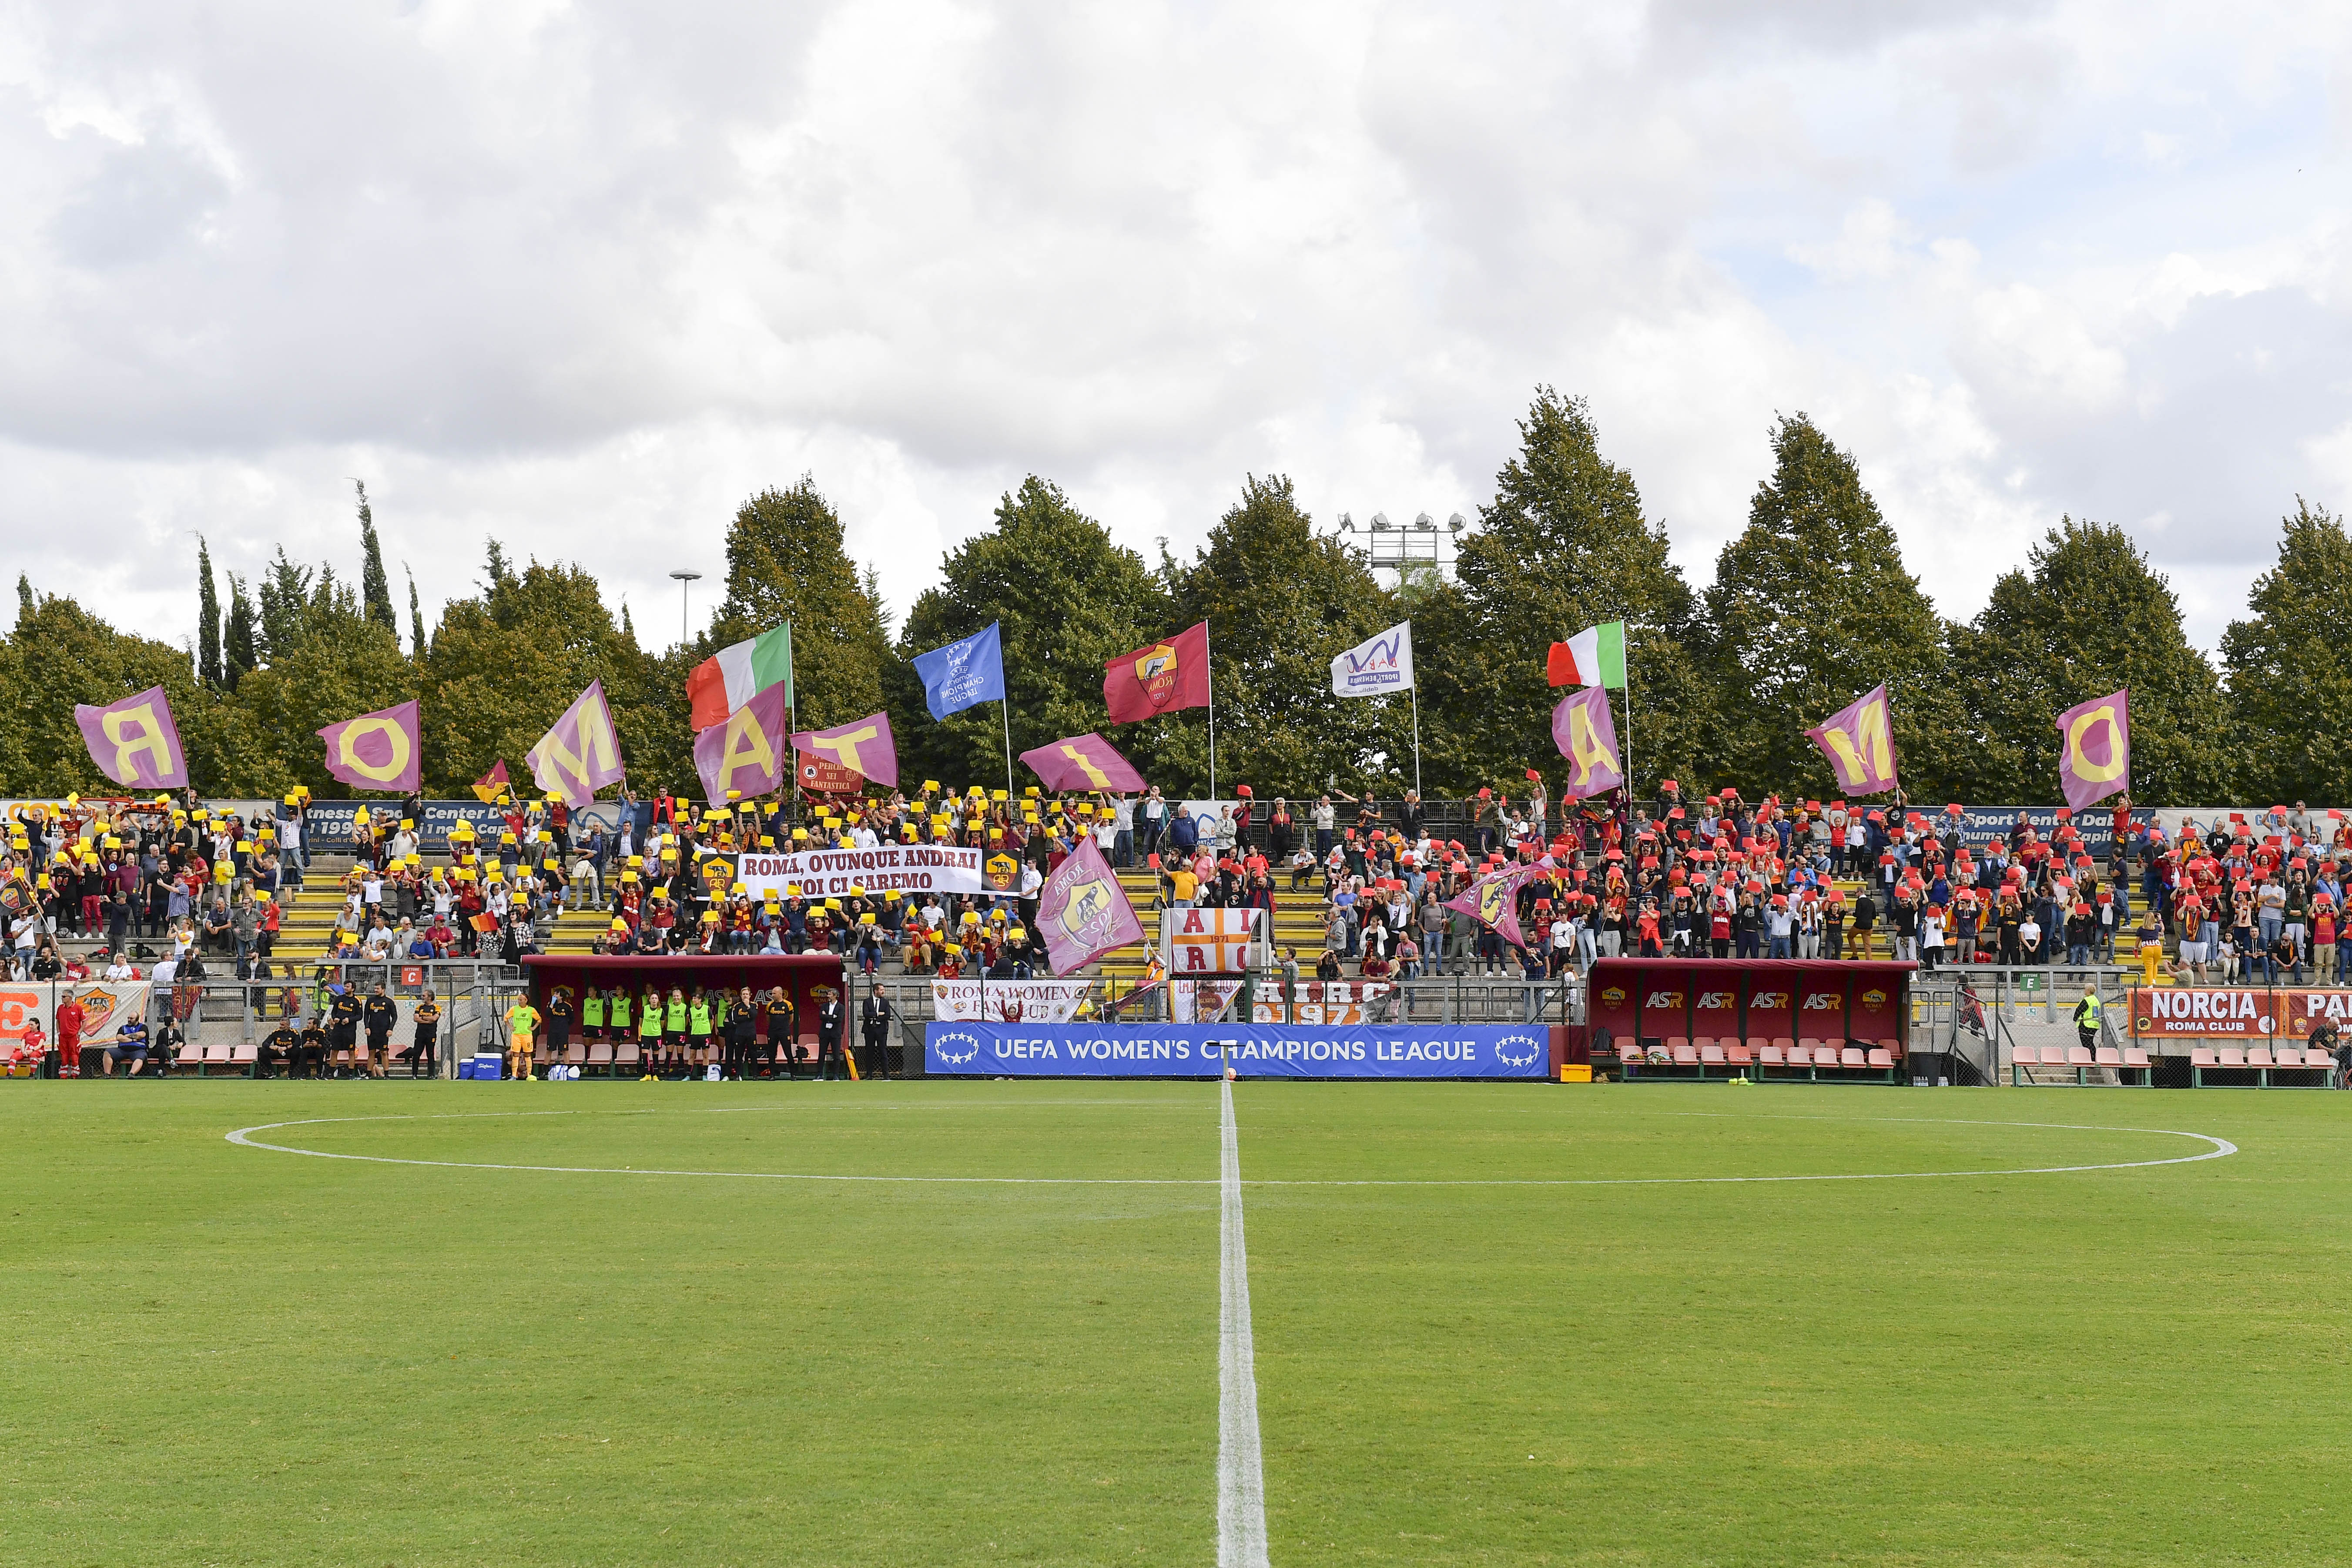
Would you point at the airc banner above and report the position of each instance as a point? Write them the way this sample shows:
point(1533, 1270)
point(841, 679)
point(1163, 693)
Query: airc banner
point(1259, 1050)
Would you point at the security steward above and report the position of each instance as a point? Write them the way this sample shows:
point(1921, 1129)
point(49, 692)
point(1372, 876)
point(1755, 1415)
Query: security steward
point(379, 1014)
point(2087, 1014)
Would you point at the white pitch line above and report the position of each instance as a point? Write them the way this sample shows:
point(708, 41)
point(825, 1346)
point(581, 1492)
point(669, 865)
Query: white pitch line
point(2221, 1149)
point(1241, 1475)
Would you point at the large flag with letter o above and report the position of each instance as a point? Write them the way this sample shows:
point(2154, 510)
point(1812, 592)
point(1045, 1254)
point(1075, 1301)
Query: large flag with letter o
point(2094, 749)
point(377, 751)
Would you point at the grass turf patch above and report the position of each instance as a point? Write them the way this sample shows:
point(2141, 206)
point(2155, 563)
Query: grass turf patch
point(218, 1353)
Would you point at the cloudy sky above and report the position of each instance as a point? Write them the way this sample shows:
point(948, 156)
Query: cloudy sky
point(582, 276)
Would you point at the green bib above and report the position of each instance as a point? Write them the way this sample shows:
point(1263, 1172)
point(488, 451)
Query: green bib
point(675, 1022)
point(700, 1016)
point(621, 1011)
point(592, 1011)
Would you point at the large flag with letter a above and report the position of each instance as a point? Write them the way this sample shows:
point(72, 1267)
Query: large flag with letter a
point(579, 754)
point(751, 753)
point(134, 741)
point(1082, 912)
point(1160, 678)
point(863, 746)
point(377, 751)
point(1587, 736)
point(1084, 763)
point(2094, 754)
point(1859, 741)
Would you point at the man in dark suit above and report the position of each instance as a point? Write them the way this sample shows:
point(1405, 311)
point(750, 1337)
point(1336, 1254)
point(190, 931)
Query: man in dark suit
point(874, 1016)
point(828, 1033)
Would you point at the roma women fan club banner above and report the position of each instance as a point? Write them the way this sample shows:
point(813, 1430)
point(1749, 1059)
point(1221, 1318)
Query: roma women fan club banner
point(1256, 1050)
point(836, 873)
point(1009, 1001)
point(105, 1008)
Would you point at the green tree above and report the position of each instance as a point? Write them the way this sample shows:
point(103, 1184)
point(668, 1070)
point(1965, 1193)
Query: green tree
point(240, 642)
point(415, 619)
point(375, 588)
point(2290, 690)
point(1068, 598)
point(502, 665)
point(208, 619)
point(285, 591)
point(1811, 607)
point(344, 663)
point(786, 562)
point(1281, 603)
point(63, 655)
point(2087, 615)
point(1563, 546)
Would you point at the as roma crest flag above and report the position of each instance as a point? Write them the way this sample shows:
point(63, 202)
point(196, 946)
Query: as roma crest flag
point(1160, 678)
point(1587, 736)
point(1083, 912)
point(1084, 763)
point(1859, 741)
point(2095, 751)
point(749, 752)
point(375, 751)
point(134, 741)
point(579, 754)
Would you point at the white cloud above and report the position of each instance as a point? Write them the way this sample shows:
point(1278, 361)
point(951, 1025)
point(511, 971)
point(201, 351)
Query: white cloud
point(582, 276)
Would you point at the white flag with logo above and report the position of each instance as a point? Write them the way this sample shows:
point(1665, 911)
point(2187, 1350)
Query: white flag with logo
point(1376, 666)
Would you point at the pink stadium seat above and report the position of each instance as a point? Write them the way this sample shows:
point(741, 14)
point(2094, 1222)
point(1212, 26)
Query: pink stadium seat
point(625, 1054)
point(1784, 1042)
point(245, 1054)
point(1756, 1043)
point(2135, 1057)
point(1677, 1045)
point(575, 1053)
point(1710, 1055)
point(1684, 1056)
point(1847, 1057)
point(2079, 1056)
point(2201, 1057)
point(600, 1054)
point(2110, 1058)
point(1702, 1041)
point(1769, 1055)
point(1738, 1055)
point(2258, 1056)
point(1880, 1056)
point(2228, 1056)
point(1811, 1044)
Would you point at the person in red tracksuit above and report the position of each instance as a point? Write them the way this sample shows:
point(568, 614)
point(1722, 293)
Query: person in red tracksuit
point(69, 1020)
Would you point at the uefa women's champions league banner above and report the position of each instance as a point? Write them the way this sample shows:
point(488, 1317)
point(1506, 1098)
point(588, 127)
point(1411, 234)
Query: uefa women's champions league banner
point(1257, 1050)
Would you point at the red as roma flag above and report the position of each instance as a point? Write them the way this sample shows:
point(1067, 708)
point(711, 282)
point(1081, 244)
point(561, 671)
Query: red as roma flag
point(1158, 679)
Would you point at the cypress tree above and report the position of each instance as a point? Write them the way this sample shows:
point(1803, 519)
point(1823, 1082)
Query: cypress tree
point(208, 619)
point(375, 588)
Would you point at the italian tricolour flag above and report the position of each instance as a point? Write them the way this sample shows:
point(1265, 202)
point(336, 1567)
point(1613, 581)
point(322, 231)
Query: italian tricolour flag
point(1593, 656)
point(733, 675)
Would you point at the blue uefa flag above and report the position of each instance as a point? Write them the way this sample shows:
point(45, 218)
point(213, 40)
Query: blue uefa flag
point(962, 673)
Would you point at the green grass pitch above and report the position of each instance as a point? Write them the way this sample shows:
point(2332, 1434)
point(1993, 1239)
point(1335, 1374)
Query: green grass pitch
point(225, 1355)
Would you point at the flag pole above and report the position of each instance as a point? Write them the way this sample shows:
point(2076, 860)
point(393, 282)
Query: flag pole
point(1004, 707)
point(1213, 717)
point(1628, 736)
point(1415, 690)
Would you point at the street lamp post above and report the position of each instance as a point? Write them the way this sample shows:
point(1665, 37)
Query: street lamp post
point(684, 580)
